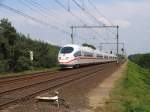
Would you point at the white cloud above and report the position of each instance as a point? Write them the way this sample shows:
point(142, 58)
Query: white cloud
point(104, 20)
point(122, 23)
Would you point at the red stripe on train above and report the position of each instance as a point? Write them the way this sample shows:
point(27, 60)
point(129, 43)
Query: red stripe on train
point(79, 58)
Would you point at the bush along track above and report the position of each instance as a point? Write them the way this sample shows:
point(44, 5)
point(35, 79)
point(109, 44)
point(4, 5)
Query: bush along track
point(132, 93)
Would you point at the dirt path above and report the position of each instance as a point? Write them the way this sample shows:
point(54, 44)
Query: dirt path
point(100, 94)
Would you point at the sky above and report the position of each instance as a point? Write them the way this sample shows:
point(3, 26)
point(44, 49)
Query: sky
point(132, 16)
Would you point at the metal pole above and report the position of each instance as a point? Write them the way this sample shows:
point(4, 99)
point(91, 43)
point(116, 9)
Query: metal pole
point(123, 48)
point(101, 46)
point(69, 5)
point(85, 26)
point(118, 43)
point(72, 35)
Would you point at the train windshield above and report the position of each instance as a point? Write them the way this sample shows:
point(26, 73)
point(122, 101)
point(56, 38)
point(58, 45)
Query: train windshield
point(66, 50)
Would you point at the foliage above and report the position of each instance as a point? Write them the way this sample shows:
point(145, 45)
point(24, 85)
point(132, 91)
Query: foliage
point(141, 59)
point(145, 61)
point(88, 45)
point(15, 47)
point(133, 93)
point(121, 56)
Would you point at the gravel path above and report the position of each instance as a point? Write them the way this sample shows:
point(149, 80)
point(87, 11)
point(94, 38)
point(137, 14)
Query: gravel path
point(98, 96)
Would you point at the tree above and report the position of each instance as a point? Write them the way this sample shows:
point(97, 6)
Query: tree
point(141, 59)
point(23, 63)
point(145, 61)
point(9, 31)
point(15, 47)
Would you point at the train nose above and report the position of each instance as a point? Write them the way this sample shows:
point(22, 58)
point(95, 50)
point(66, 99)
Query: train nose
point(63, 58)
point(67, 58)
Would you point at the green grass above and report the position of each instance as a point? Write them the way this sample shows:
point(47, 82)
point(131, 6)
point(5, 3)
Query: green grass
point(7, 74)
point(132, 93)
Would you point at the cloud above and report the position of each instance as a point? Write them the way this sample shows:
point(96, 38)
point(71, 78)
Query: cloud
point(122, 23)
point(104, 20)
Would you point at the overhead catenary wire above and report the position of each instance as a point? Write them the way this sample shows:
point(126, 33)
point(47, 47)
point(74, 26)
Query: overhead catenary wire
point(43, 10)
point(61, 4)
point(80, 20)
point(32, 18)
point(105, 19)
point(34, 3)
point(27, 5)
point(72, 14)
point(40, 12)
point(97, 10)
point(88, 13)
point(76, 17)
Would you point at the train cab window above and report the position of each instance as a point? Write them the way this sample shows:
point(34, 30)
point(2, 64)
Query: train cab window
point(66, 50)
point(78, 53)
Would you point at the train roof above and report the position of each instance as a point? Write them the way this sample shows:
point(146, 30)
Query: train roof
point(86, 48)
point(78, 46)
point(71, 45)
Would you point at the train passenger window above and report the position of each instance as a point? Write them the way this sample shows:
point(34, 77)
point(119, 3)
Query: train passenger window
point(88, 54)
point(106, 57)
point(66, 50)
point(99, 56)
point(78, 53)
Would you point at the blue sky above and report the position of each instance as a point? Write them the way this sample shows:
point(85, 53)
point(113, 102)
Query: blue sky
point(131, 15)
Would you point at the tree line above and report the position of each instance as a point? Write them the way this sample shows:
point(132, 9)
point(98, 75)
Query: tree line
point(141, 59)
point(15, 51)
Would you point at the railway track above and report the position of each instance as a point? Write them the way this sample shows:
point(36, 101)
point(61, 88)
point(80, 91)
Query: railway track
point(18, 84)
point(9, 79)
point(9, 96)
point(24, 82)
point(12, 79)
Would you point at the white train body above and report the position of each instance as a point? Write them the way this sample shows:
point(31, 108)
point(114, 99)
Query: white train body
point(74, 56)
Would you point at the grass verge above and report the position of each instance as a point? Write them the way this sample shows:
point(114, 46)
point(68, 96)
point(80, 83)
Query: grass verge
point(132, 93)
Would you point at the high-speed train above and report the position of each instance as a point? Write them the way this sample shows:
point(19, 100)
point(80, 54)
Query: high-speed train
point(71, 56)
